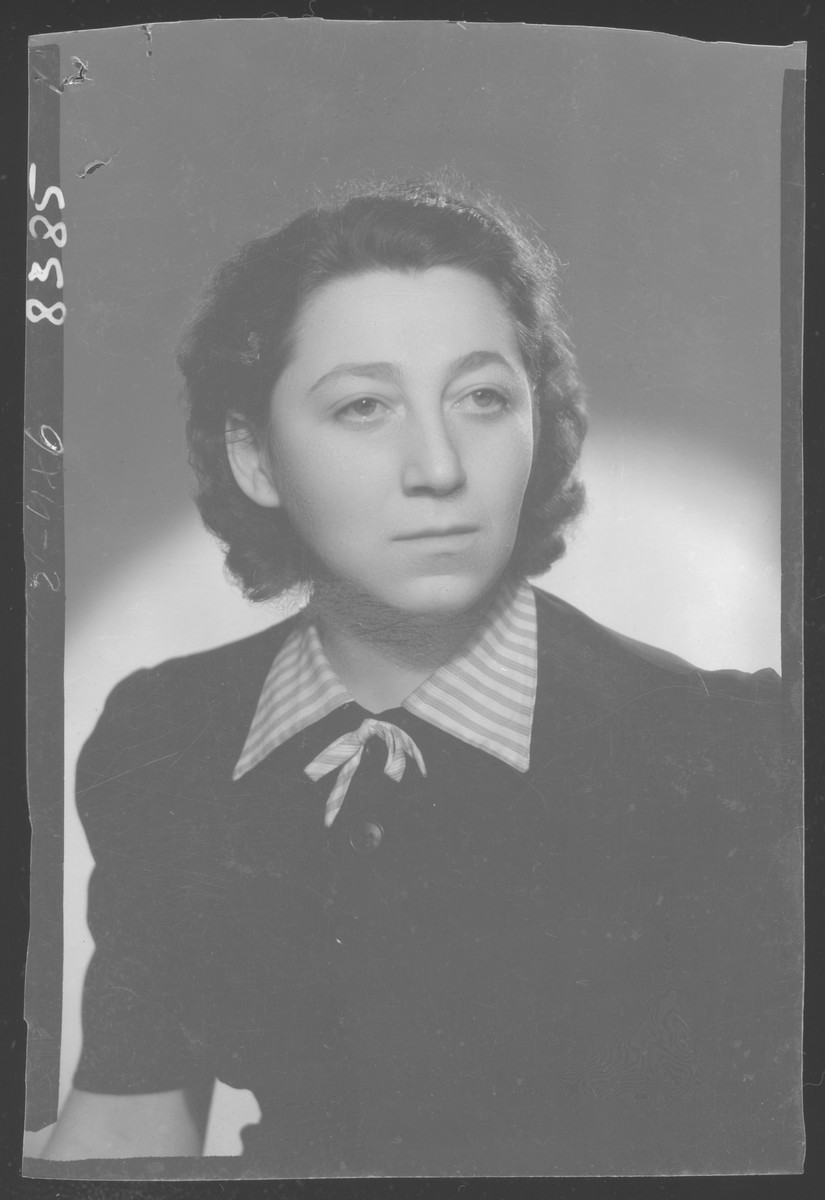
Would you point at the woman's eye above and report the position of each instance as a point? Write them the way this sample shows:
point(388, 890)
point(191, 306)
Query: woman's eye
point(360, 411)
point(486, 400)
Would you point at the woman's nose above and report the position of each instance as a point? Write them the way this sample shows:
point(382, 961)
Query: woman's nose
point(431, 459)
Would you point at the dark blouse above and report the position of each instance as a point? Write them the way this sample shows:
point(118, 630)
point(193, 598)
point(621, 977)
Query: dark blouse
point(592, 968)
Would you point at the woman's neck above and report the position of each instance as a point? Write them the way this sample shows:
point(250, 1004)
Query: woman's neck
point(381, 654)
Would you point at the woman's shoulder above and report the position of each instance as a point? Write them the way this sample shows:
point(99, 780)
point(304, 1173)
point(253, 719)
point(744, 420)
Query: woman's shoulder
point(616, 666)
point(679, 729)
point(223, 672)
point(167, 723)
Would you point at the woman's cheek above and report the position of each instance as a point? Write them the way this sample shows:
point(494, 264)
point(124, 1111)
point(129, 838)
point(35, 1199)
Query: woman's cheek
point(510, 466)
point(311, 480)
point(335, 509)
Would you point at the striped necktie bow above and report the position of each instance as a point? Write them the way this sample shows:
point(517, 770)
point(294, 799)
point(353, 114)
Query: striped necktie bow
point(347, 751)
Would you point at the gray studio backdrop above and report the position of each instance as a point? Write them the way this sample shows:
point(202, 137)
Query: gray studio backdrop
point(650, 163)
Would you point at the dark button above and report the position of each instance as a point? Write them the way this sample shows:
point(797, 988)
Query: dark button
point(366, 838)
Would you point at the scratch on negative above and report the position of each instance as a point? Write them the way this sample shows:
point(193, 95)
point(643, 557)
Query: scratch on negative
point(120, 774)
point(81, 75)
point(185, 749)
point(95, 165)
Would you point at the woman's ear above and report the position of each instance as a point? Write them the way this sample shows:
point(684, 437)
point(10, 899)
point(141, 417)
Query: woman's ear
point(250, 463)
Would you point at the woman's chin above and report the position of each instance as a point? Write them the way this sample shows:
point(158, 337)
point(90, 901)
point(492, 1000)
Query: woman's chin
point(441, 595)
point(408, 594)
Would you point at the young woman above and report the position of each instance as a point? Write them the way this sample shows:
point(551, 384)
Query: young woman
point(456, 880)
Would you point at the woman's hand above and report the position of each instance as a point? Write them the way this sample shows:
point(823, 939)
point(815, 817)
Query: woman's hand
point(163, 1124)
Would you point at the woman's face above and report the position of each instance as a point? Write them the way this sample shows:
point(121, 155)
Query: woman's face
point(402, 436)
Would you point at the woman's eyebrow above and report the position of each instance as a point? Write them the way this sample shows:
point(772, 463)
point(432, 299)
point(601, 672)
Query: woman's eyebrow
point(386, 372)
point(389, 373)
point(476, 359)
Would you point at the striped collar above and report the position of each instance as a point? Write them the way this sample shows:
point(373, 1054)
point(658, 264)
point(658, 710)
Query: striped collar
point(484, 695)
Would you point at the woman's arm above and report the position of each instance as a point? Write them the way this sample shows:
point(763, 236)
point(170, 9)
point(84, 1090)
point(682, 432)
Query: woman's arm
point(143, 1084)
point(163, 1124)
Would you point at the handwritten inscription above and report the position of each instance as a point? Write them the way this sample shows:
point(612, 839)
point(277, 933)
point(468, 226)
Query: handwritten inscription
point(44, 466)
point(42, 273)
point(48, 441)
point(41, 227)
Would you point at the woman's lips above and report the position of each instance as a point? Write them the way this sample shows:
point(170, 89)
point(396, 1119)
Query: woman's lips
point(451, 531)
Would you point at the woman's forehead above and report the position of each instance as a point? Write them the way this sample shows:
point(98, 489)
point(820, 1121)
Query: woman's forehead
point(441, 313)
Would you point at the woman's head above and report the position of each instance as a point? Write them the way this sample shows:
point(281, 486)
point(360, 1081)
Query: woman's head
point(430, 283)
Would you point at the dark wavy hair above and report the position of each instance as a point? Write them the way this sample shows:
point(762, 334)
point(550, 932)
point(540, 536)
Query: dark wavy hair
point(241, 339)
